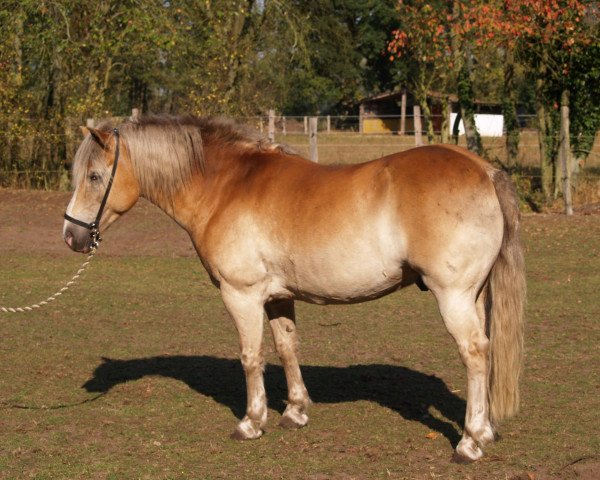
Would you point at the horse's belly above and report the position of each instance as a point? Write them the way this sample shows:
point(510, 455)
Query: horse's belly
point(362, 260)
point(343, 277)
point(345, 293)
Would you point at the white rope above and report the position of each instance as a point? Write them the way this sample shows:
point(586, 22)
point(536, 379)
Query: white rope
point(54, 296)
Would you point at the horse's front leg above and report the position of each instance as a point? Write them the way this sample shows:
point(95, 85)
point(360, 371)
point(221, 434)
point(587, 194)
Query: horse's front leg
point(246, 308)
point(283, 325)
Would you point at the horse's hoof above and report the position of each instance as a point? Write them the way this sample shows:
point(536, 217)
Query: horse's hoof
point(467, 451)
point(460, 459)
point(485, 436)
point(246, 432)
point(290, 423)
point(293, 418)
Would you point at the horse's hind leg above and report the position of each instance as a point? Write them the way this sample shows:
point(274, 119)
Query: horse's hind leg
point(246, 309)
point(282, 320)
point(461, 318)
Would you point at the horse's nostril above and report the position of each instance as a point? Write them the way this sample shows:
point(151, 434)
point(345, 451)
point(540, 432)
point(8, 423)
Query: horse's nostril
point(69, 239)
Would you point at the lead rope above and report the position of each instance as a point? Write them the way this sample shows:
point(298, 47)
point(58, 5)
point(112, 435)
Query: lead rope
point(6, 404)
point(54, 296)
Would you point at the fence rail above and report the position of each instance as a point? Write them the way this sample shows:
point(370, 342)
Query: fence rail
point(387, 124)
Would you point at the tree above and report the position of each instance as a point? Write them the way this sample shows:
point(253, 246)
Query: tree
point(548, 36)
point(441, 40)
point(584, 78)
point(237, 56)
point(344, 62)
point(64, 61)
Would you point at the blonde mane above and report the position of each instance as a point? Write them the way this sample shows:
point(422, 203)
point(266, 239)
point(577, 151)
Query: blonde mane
point(167, 151)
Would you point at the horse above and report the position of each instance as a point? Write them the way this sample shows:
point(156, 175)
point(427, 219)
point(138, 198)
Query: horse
point(271, 227)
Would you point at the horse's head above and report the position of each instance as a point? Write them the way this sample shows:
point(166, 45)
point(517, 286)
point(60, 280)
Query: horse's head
point(92, 170)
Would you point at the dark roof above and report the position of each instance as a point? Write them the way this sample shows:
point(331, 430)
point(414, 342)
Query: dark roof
point(397, 94)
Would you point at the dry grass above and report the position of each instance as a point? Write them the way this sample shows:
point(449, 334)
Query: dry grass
point(148, 333)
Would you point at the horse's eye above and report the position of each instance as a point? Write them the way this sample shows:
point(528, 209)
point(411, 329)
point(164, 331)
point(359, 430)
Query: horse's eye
point(94, 177)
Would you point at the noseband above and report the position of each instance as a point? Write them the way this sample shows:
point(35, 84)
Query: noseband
point(94, 227)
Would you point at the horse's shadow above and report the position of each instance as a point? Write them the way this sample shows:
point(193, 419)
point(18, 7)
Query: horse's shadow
point(407, 392)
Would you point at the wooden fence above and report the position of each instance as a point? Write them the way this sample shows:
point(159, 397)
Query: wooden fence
point(324, 139)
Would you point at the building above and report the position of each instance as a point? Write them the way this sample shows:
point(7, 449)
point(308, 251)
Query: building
point(394, 112)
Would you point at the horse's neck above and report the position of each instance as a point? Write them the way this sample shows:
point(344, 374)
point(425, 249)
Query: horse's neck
point(193, 204)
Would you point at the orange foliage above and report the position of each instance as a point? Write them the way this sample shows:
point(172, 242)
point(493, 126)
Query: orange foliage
point(428, 30)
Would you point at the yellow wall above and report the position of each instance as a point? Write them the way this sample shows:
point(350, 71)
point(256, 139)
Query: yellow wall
point(381, 125)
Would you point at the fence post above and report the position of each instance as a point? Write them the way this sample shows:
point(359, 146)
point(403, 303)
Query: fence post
point(449, 119)
point(328, 123)
point(403, 113)
point(314, 152)
point(89, 123)
point(361, 115)
point(283, 128)
point(135, 113)
point(306, 125)
point(418, 128)
point(271, 133)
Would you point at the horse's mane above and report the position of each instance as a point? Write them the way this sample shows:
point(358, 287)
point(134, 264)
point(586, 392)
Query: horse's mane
point(166, 151)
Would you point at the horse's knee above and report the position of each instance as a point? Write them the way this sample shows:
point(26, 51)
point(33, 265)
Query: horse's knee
point(252, 362)
point(285, 337)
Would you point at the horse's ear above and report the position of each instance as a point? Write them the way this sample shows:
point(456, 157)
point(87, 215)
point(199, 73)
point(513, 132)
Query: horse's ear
point(98, 135)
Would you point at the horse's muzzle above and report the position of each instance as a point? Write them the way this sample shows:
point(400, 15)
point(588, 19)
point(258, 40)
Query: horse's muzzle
point(78, 238)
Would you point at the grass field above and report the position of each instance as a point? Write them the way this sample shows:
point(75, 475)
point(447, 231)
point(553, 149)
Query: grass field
point(134, 374)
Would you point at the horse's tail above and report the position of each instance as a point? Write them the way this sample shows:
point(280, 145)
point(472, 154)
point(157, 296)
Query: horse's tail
point(505, 298)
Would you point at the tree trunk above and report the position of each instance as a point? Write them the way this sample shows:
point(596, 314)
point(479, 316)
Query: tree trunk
point(420, 91)
point(565, 151)
point(18, 65)
point(12, 140)
point(428, 122)
point(467, 110)
point(403, 112)
point(444, 134)
point(540, 110)
point(511, 122)
point(417, 125)
point(545, 163)
point(240, 28)
point(107, 69)
point(466, 101)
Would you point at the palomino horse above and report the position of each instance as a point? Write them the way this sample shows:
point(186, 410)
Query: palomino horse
point(271, 227)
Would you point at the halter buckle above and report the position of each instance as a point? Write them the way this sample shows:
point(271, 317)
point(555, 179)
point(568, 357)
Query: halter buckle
point(95, 236)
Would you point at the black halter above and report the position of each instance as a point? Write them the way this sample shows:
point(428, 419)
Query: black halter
point(94, 226)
